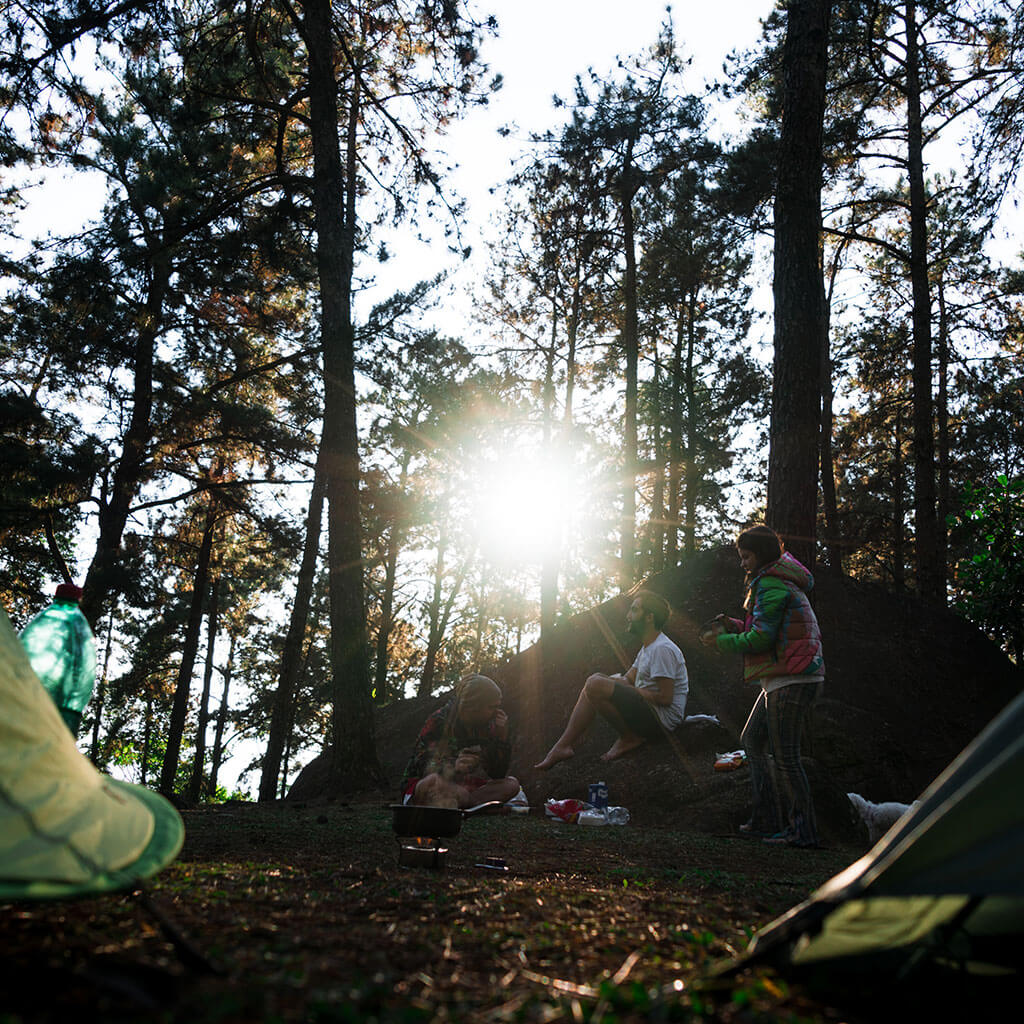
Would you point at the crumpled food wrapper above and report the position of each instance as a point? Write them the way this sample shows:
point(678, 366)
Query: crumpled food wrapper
point(565, 810)
point(730, 761)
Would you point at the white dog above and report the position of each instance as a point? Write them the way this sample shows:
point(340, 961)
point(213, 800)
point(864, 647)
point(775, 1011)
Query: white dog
point(879, 818)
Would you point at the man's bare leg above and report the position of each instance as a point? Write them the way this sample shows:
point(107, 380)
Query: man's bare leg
point(501, 790)
point(600, 697)
point(435, 790)
point(580, 720)
point(623, 745)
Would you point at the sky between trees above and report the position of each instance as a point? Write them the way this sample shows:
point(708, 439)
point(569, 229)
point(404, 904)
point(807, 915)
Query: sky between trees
point(485, 449)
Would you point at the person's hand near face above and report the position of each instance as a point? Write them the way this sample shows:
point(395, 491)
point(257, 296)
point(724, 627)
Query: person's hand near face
point(500, 721)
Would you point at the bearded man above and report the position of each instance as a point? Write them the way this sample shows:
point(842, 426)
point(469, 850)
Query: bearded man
point(648, 699)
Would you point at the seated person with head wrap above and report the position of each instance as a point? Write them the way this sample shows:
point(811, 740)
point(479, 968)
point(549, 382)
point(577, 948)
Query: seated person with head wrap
point(462, 753)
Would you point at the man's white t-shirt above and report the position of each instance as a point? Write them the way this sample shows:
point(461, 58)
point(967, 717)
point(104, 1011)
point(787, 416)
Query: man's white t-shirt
point(662, 658)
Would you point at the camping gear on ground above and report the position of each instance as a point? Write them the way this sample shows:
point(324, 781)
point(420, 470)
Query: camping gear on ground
point(420, 829)
point(493, 864)
point(603, 816)
point(730, 761)
point(565, 810)
point(62, 653)
point(65, 829)
point(943, 888)
point(519, 804)
point(579, 812)
point(419, 820)
point(421, 852)
point(519, 800)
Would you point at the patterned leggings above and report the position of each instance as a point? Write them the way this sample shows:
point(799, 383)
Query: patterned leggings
point(771, 738)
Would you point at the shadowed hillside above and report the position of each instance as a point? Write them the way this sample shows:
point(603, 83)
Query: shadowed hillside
point(907, 687)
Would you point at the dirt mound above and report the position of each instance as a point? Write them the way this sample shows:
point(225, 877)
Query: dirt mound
point(907, 686)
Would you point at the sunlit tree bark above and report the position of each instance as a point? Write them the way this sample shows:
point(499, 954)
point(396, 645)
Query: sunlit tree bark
point(195, 784)
point(179, 708)
point(353, 755)
point(292, 652)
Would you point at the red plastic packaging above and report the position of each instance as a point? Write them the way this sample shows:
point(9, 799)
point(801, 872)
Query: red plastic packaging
point(564, 810)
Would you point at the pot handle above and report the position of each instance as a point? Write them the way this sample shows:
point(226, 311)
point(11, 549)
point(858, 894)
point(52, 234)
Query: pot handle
point(480, 807)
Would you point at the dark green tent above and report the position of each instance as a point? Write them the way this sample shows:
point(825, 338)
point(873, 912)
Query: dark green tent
point(943, 888)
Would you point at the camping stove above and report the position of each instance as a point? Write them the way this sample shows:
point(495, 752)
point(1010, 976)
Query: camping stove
point(421, 852)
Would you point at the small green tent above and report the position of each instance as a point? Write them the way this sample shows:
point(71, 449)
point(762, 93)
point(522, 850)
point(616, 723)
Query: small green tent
point(943, 887)
point(65, 829)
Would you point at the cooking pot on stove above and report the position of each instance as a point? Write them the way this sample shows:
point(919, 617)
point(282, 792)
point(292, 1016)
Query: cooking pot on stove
point(418, 820)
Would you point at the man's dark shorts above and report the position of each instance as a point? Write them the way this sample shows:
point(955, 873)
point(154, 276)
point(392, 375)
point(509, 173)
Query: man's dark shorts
point(636, 712)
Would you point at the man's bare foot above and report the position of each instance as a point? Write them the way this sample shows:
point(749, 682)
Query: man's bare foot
point(622, 746)
point(558, 752)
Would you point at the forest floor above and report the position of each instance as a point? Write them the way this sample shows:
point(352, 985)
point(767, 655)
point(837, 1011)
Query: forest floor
point(304, 914)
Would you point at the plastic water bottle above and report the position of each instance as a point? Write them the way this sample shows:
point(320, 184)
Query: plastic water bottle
point(617, 815)
point(62, 652)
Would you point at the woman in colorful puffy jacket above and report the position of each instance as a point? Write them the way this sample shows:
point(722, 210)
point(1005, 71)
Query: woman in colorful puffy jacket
point(781, 647)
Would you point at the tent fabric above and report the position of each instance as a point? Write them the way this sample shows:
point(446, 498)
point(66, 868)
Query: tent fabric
point(946, 882)
point(66, 829)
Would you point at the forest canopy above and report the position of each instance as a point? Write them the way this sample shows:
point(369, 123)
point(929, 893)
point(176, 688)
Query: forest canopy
point(288, 503)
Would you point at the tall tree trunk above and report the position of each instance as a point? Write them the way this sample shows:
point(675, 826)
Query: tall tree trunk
point(353, 754)
point(829, 499)
point(798, 291)
point(101, 692)
point(691, 476)
point(115, 506)
point(289, 744)
point(291, 653)
point(217, 756)
point(658, 490)
point(176, 726)
point(195, 782)
point(929, 575)
point(396, 535)
point(549, 577)
point(899, 505)
point(571, 333)
point(438, 615)
point(285, 764)
point(435, 631)
point(480, 625)
point(553, 540)
point(147, 738)
point(942, 410)
point(675, 445)
point(631, 347)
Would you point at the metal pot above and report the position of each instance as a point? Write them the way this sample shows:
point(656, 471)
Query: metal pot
point(417, 820)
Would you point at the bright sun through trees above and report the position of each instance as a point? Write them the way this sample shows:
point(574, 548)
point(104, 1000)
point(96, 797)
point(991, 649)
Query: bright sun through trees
point(525, 506)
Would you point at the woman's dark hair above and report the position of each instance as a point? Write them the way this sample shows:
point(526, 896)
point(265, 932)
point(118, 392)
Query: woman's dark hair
point(655, 604)
point(763, 542)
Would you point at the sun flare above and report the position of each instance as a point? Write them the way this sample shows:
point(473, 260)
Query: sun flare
point(523, 507)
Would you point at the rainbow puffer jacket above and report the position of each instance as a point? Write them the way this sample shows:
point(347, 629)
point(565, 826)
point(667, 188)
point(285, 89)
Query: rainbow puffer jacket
point(780, 635)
